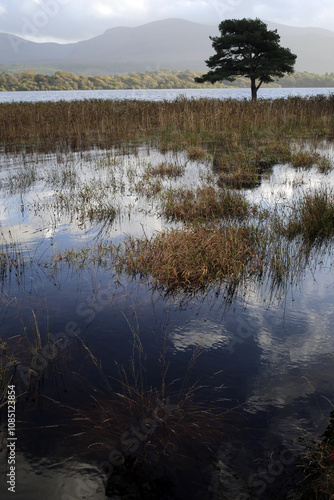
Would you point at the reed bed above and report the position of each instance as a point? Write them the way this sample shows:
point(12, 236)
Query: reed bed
point(203, 123)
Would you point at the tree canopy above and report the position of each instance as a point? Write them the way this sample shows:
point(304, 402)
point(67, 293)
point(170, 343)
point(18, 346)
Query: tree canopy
point(247, 48)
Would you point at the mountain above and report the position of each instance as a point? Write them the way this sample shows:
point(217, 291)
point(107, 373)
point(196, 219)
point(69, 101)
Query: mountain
point(314, 47)
point(176, 43)
point(16, 50)
point(168, 44)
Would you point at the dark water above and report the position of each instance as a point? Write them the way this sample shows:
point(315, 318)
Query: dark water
point(264, 374)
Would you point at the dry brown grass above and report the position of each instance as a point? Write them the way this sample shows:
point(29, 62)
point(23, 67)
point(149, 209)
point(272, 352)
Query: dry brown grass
point(203, 124)
point(313, 216)
point(196, 154)
point(165, 170)
point(239, 178)
point(245, 162)
point(205, 204)
point(193, 257)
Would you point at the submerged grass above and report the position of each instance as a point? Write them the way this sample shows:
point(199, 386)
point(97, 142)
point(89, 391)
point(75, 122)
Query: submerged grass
point(12, 260)
point(151, 430)
point(165, 169)
point(89, 202)
point(318, 468)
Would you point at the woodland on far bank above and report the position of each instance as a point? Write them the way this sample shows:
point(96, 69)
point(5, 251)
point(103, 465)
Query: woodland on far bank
point(162, 79)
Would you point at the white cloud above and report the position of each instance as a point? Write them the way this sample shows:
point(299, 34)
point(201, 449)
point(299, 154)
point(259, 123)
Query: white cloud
point(207, 335)
point(77, 20)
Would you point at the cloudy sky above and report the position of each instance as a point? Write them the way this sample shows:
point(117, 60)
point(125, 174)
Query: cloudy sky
point(72, 20)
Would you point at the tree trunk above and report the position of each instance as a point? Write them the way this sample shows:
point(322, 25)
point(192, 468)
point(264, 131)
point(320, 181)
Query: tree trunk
point(254, 89)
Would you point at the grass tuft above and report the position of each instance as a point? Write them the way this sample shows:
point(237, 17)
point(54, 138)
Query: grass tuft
point(191, 258)
point(205, 204)
point(313, 217)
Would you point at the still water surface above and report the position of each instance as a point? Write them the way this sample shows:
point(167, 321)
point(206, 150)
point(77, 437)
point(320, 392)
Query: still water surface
point(159, 95)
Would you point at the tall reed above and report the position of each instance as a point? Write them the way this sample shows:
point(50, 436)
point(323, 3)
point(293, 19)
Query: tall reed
point(208, 123)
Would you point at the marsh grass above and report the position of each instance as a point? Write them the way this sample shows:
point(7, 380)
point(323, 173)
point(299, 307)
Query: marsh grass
point(239, 178)
point(244, 163)
point(205, 204)
point(319, 467)
point(101, 254)
point(313, 216)
point(308, 159)
point(24, 179)
point(202, 256)
point(63, 176)
point(151, 181)
point(192, 257)
point(165, 169)
point(205, 124)
point(27, 358)
point(242, 139)
point(196, 154)
point(324, 164)
point(149, 187)
point(304, 159)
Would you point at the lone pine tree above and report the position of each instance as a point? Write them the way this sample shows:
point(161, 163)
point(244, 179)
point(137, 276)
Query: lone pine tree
point(247, 48)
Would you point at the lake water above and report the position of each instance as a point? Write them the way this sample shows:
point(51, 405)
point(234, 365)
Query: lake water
point(159, 95)
point(264, 377)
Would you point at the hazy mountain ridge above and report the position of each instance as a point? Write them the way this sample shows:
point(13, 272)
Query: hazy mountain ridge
point(172, 44)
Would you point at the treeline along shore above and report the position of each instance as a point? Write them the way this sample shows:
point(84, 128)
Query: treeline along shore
point(162, 79)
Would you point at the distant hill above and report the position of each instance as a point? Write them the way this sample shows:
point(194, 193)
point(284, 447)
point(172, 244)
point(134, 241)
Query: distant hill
point(169, 44)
